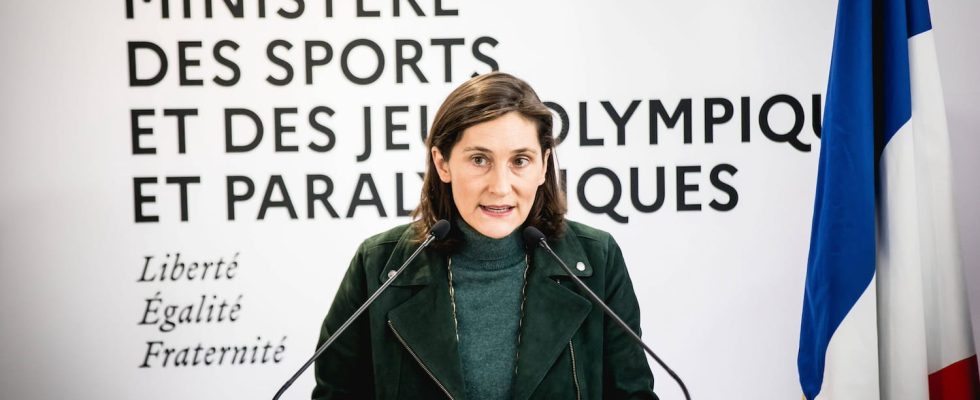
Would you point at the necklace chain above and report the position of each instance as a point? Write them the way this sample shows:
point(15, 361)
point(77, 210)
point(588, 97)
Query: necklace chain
point(520, 322)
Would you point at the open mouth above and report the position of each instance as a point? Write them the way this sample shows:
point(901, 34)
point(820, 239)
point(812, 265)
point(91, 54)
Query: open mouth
point(497, 209)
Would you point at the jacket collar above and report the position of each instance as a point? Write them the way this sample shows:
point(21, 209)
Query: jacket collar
point(425, 323)
point(422, 269)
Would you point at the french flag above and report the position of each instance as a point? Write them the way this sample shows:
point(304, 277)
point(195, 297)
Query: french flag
point(885, 312)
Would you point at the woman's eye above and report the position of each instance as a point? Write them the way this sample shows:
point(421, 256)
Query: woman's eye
point(521, 162)
point(479, 161)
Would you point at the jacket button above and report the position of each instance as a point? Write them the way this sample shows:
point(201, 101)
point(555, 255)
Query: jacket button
point(580, 266)
point(391, 274)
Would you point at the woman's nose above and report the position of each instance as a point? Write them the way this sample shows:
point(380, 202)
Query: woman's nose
point(499, 183)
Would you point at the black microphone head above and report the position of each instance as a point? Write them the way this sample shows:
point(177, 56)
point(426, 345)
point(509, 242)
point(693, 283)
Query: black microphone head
point(440, 229)
point(533, 236)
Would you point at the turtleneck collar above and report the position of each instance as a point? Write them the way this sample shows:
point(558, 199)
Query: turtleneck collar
point(478, 247)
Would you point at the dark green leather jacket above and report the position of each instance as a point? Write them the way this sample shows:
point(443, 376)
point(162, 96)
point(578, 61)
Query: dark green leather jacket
point(404, 347)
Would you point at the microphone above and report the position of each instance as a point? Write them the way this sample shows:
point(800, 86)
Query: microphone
point(438, 231)
point(533, 237)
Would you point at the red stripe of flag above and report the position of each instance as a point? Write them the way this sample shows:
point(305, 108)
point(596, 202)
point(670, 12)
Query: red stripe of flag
point(958, 381)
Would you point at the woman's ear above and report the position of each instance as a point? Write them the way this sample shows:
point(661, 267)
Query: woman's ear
point(544, 168)
point(442, 165)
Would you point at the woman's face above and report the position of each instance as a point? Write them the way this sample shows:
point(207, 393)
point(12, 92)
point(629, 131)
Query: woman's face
point(495, 169)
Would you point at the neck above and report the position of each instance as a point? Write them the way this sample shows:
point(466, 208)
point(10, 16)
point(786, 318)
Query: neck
point(477, 246)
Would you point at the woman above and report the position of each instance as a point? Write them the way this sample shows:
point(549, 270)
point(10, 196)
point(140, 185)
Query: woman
point(477, 315)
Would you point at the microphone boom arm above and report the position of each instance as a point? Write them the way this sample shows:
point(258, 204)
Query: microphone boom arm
point(354, 316)
point(609, 312)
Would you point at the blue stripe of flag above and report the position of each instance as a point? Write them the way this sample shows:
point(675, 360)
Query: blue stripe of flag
point(869, 83)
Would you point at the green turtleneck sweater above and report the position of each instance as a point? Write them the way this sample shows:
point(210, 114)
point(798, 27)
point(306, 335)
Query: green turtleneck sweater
point(488, 280)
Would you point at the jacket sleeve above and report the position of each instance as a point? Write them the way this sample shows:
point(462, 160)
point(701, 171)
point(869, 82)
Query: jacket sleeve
point(345, 371)
point(626, 372)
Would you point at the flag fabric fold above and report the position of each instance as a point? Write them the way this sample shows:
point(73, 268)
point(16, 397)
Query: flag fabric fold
point(885, 312)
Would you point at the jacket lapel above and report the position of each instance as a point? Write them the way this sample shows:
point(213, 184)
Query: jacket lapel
point(424, 323)
point(553, 313)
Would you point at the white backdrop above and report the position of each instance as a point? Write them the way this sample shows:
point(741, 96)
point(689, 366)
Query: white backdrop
point(720, 290)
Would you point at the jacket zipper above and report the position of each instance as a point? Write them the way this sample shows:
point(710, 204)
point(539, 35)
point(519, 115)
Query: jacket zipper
point(578, 393)
point(418, 360)
point(571, 349)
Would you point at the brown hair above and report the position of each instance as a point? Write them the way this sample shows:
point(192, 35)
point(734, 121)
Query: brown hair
point(479, 100)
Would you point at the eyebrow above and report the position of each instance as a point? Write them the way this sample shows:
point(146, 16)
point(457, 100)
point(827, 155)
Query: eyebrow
point(486, 150)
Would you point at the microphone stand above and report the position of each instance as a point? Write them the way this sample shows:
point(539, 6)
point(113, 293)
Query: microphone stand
point(543, 243)
point(438, 232)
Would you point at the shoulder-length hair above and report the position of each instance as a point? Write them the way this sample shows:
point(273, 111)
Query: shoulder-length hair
point(478, 100)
